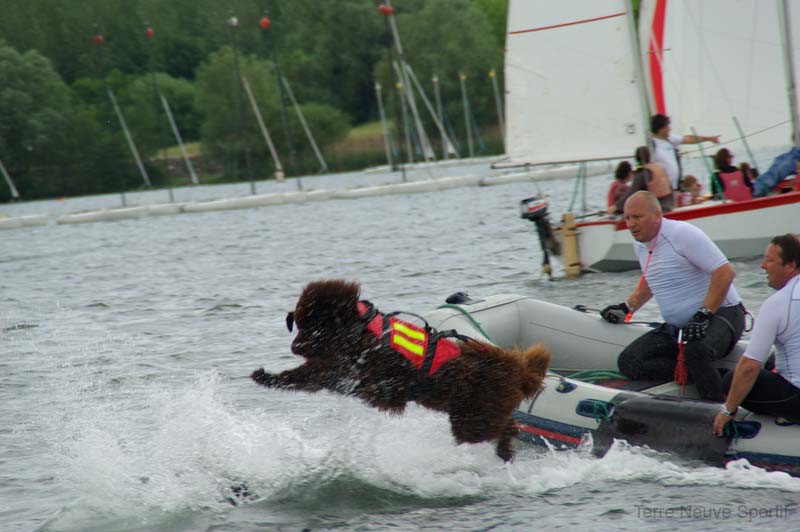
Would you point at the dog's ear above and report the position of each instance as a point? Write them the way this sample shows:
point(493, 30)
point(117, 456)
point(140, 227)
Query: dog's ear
point(290, 321)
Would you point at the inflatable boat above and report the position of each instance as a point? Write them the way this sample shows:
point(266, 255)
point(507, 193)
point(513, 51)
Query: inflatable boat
point(586, 401)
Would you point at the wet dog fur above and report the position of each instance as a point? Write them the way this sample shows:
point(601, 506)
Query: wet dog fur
point(479, 390)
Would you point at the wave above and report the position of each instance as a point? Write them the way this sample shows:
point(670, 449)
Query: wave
point(168, 459)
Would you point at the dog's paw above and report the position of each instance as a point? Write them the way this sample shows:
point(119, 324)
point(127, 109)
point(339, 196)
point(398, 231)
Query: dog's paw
point(261, 377)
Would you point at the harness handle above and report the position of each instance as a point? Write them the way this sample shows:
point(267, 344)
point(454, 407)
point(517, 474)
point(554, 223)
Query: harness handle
point(452, 333)
point(398, 312)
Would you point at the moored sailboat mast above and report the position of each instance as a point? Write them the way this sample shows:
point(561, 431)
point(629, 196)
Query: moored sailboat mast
point(791, 78)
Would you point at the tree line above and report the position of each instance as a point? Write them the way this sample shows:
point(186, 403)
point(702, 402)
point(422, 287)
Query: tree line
point(59, 60)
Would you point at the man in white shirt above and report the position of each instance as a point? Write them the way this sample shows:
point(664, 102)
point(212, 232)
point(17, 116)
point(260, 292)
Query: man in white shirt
point(752, 386)
point(692, 283)
point(665, 146)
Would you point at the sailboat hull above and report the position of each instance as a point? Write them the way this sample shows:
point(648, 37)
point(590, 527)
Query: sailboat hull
point(740, 229)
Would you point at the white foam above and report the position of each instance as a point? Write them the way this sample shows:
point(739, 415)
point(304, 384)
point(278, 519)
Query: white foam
point(185, 446)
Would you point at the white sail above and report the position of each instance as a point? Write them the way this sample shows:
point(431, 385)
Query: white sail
point(572, 92)
point(708, 61)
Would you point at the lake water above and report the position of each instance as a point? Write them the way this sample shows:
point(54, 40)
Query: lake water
point(125, 346)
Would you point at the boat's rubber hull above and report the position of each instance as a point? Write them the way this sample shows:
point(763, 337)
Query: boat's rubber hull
point(568, 411)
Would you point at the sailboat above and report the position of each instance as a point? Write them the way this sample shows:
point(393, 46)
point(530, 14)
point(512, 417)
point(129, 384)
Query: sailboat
point(573, 92)
point(561, 63)
point(706, 61)
point(683, 43)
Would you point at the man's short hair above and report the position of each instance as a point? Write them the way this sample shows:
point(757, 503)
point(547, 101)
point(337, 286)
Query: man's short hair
point(789, 248)
point(658, 122)
point(650, 200)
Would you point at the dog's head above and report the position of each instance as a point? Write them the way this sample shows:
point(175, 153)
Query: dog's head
point(326, 316)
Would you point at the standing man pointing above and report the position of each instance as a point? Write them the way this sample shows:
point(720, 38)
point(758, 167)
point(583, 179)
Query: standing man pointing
point(665, 146)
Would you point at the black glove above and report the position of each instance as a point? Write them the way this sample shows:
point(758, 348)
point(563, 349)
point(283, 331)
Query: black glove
point(697, 326)
point(615, 313)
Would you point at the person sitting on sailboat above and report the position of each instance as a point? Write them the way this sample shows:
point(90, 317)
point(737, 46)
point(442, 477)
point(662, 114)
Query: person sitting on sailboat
point(649, 176)
point(665, 146)
point(618, 188)
point(692, 282)
point(750, 385)
point(690, 192)
point(727, 181)
point(782, 167)
point(750, 171)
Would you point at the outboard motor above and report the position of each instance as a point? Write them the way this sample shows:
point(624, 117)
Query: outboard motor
point(535, 210)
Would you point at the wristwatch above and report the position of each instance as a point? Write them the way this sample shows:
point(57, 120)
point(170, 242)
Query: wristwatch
point(723, 408)
point(704, 310)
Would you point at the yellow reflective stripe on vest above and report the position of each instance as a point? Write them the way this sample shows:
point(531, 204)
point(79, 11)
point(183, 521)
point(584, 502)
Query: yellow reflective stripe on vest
point(410, 339)
point(412, 333)
point(403, 342)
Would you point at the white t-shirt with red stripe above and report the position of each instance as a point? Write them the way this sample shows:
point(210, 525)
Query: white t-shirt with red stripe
point(779, 323)
point(679, 274)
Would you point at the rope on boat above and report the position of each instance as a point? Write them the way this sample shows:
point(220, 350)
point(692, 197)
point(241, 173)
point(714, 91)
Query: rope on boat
point(594, 375)
point(741, 137)
point(471, 319)
point(600, 411)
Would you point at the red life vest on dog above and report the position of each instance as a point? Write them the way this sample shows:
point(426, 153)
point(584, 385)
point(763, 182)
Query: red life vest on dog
point(424, 347)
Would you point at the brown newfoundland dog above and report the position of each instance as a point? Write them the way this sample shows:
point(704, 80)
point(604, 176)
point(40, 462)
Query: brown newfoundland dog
point(352, 349)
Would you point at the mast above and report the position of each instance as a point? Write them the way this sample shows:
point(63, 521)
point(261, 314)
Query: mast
point(150, 32)
point(406, 125)
point(465, 103)
point(128, 137)
point(640, 81)
point(386, 138)
point(9, 182)
point(408, 91)
point(447, 146)
point(99, 40)
point(499, 106)
point(279, 174)
point(791, 85)
point(438, 97)
point(323, 165)
point(178, 138)
point(233, 23)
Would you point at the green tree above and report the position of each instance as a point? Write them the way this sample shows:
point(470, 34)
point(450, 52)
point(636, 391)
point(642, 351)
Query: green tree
point(496, 12)
point(221, 129)
point(216, 99)
point(34, 117)
point(435, 42)
point(145, 113)
point(95, 157)
point(327, 50)
point(327, 124)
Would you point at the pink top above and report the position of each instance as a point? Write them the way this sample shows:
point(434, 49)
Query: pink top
point(684, 199)
point(615, 191)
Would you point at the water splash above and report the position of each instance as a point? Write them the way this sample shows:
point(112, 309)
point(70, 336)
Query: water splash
point(147, 455)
